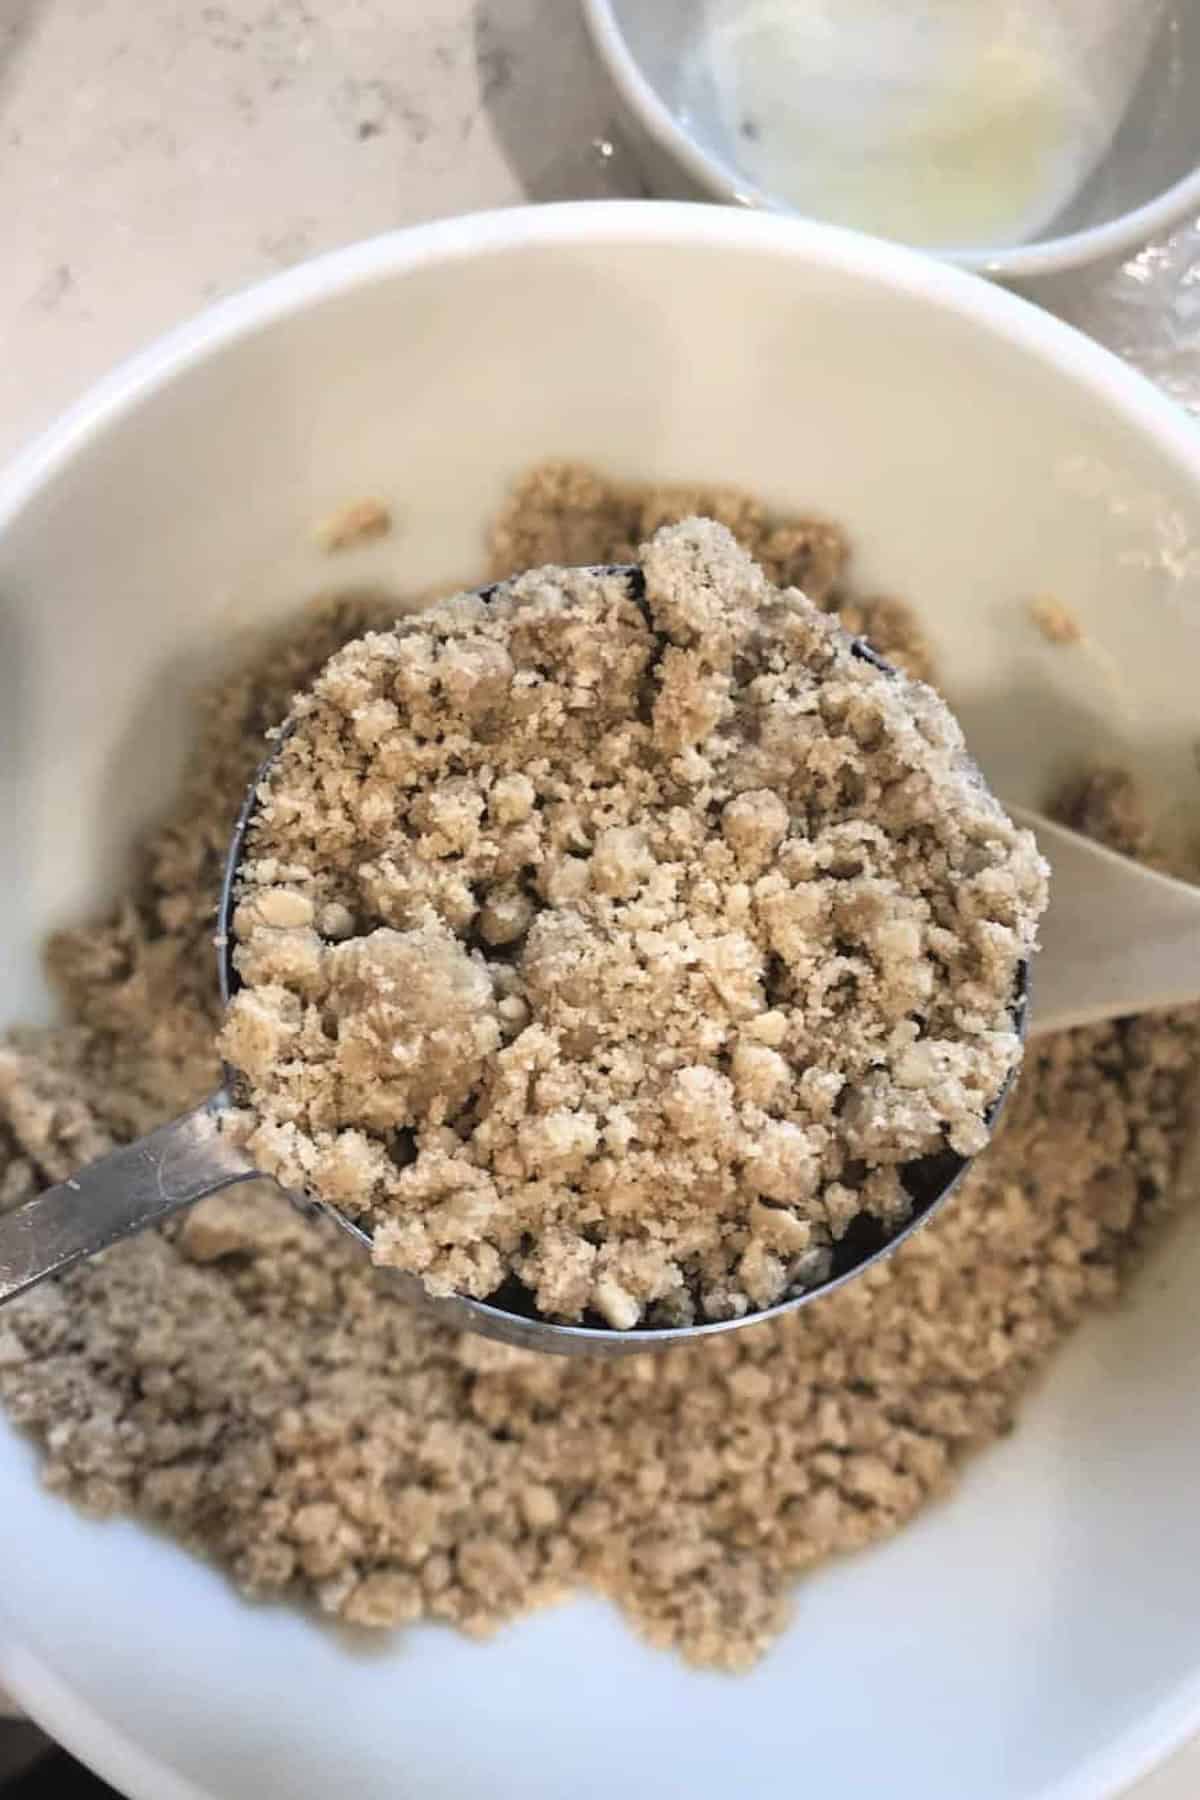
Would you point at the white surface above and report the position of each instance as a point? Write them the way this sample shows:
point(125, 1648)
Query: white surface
point(1031, 1641)
point(673, 63)
point(156, 156)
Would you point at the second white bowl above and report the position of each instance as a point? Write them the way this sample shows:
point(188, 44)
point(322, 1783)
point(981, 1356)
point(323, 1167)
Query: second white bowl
point(1146, 181)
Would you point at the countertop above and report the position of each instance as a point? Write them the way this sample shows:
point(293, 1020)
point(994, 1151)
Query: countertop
point(156, 156)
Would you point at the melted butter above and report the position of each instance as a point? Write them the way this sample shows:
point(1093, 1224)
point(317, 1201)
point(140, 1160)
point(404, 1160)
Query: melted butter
point(944, 123)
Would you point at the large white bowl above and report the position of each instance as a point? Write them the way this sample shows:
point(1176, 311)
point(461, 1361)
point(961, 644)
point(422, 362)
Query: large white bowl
point(1039, 1635)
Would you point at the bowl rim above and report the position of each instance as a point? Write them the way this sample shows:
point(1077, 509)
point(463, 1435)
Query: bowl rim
point(660, 223)
point(1046, 256)
point(994, 311)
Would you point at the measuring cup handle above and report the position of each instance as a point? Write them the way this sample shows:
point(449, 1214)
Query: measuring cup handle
point(121, 1194)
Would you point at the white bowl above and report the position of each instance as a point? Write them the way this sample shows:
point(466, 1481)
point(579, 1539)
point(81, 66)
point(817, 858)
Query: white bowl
point(1148, 179)
point(1038, 1635)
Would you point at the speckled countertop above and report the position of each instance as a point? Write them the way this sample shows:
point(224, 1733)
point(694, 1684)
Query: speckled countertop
point(156, 154)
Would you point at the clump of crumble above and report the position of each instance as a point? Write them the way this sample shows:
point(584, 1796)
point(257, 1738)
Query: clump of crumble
point(1055, 620)
point(565, 514)
point(626, 936)
point(355, 524)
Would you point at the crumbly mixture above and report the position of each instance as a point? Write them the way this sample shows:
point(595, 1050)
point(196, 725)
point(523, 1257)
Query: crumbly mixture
point(1106, 803)
point(358, 523)
point(626, 938)
point(562, 514)
point(1055, 620)
point(278, 1411)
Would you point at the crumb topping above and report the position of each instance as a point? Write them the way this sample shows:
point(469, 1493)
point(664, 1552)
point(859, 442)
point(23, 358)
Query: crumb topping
point(630, 939)
point(1055, 620)
point(358, 523)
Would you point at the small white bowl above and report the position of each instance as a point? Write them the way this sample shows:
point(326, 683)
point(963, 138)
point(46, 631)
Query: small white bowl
point(1148, 179)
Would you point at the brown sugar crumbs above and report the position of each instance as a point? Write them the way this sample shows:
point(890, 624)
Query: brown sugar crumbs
point(277, 1412)
point(1055, 620)
point(628, 936)
point(358, 523)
